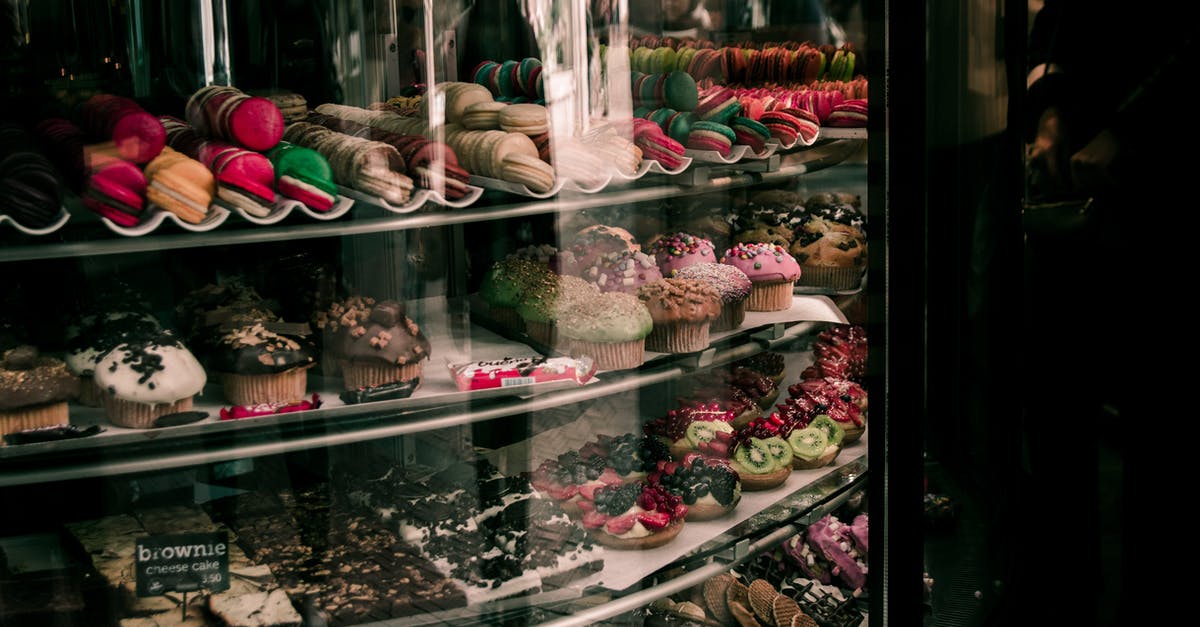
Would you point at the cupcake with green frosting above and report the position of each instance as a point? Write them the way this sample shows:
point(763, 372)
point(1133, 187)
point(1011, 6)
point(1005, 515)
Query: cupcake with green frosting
point(505, 285)
point(545, 302)
point(610, 328)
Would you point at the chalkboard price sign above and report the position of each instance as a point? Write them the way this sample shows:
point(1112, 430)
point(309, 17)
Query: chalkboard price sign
point(182, 563)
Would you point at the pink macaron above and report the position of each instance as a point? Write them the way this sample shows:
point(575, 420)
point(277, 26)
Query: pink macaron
point(117, 191)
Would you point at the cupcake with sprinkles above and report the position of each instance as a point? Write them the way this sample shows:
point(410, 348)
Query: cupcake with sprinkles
point(772, 272)
point(623, 271)
point(731, 284)
point(146, 378)
point(680, 250)
point(542, 306)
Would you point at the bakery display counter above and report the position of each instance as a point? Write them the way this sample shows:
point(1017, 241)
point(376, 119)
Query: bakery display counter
point(84, 233)
point(437, 403)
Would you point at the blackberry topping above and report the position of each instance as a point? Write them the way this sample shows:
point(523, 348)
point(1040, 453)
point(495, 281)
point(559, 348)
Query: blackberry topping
point(615, 500)
point(695, 478)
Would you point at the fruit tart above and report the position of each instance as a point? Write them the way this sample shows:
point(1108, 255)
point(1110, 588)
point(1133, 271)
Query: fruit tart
point(633, 516)
point(708, 486)
point(702, 427)
point(706, 391)
point(816, 445)
point(842, 400)
point(841, 351)
point(571, 478)
point(762, 456)
point(770, 364)
point(631, 455)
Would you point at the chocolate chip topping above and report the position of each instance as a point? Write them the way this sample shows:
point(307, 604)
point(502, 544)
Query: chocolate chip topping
point(672, 300)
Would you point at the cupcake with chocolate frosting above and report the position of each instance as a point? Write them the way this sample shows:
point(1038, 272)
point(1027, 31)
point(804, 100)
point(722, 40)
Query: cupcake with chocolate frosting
point(258, 366)
point(376, 343)
point(34, 390)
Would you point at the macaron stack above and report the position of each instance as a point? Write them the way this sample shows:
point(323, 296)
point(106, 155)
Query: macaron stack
point(292, 105)
point(675, 90)
point(117, 190)
point(508, 156)
point(749, 132)
point(245, 179)
point(718, 104)
point(63, 143)
point(304, 175)
point(368, 166)
point(657, 145)
point(850, 113)
point(791, 125)
point(433, 165)
point(220, 111)
point(458, 96)
point(181, 185)
point(511, 81)
point(29, 187)
point(527, 119)
point(136, 135)
point(706, 135)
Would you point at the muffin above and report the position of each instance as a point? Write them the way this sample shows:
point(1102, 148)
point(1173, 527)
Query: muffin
point(560, 261)
point(679, 250)
point(609, 328)
point(258, 366)
point(148, 377)
point(778, 235)
point(772, 273)
point(623, 271)
point(96, 336)
point(682, 310)
point(505, 284)
point(831, 254)
point(842, 207)
point(376, 344)
point(542, 306)
point(34, 390)
point(598, 240)
point(732, 285)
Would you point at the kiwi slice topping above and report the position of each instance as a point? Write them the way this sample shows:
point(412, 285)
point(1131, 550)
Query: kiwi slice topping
point(832, 429)
point(780, 449)
point(808, 443)
point(755, 456)
point(705, 430)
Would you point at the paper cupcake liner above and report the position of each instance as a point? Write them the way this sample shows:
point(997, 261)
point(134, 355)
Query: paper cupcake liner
point(357, 374)
point(254, 389)
point(732, 316)
point(35, 417)
point(135, 415)
point(834, 278)
point(611, 355)
point(507, 317)
point(681, 337)
point(89, 392)
point(544, 332)
point(772, 296)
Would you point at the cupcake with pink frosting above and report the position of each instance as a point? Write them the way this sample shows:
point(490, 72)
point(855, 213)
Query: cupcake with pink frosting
point(623, 271)
point(772, 272)
point(679, 250)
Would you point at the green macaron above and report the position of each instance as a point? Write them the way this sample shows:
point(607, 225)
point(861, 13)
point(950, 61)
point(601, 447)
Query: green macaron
point(716, 127)
point(681, 92)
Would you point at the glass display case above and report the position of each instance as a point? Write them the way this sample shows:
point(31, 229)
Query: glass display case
point(400, 312)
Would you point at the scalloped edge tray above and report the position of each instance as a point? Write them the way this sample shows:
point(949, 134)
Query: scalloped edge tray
point(572, 185)
point(283, 207)
point(516, 188)
point(650, 166)
point(418, 199)
point(155, 216)
point(63, 217)
point(739, 152)
point(474, 193)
